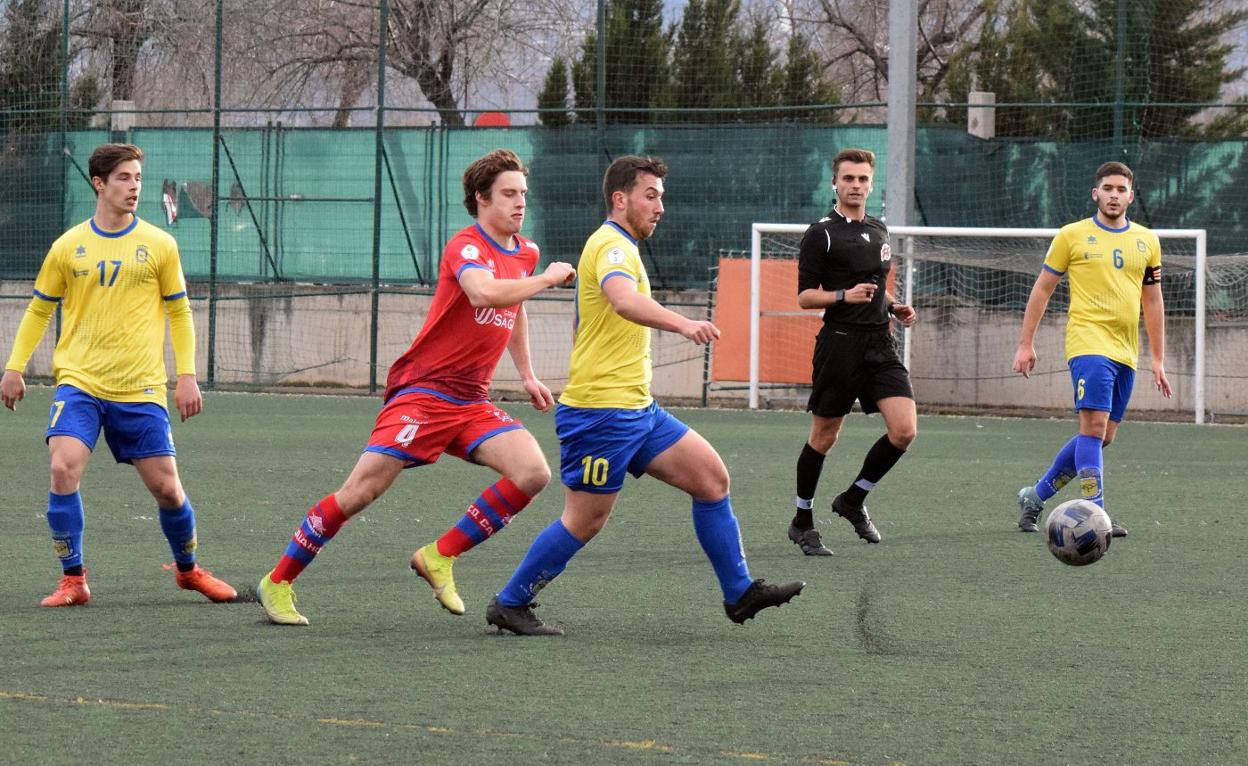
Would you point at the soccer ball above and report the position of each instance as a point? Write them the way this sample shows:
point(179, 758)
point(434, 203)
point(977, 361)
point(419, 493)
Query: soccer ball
point(1078, 532)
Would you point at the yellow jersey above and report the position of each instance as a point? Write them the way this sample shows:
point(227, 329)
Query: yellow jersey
point(114, 289)
point(610, 364)
point(1107, 270)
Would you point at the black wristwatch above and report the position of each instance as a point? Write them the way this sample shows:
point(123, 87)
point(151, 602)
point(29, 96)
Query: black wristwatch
point(840, 296)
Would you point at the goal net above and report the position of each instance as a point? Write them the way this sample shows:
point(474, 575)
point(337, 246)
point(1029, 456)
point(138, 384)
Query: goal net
point(970, 287)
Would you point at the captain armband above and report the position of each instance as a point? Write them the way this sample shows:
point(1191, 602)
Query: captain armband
point(1152, 275)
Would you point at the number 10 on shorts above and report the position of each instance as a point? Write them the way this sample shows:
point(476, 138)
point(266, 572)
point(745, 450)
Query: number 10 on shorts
point(596, 469)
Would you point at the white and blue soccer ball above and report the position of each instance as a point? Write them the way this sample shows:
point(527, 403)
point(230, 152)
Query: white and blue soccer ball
point(1078, 532)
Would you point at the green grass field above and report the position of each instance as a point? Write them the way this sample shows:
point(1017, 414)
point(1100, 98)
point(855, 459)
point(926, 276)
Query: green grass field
point(956, 641)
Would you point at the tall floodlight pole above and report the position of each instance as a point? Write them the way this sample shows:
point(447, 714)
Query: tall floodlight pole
point(600, 78)
point(902, 41)
point(903, 34)
point(1120, 74)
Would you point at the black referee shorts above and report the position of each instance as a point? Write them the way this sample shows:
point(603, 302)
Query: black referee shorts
point(853, 365)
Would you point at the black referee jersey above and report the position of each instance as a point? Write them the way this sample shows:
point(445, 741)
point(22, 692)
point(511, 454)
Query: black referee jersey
point(836, 254)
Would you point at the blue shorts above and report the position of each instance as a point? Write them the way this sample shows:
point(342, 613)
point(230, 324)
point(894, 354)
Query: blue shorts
point(597, 445)
point(1102, 384)
point(132, 429)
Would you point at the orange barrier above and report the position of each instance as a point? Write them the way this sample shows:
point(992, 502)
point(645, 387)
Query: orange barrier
point(787, 342)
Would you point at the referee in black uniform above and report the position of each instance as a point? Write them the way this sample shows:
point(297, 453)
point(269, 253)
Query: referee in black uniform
point(843, 269)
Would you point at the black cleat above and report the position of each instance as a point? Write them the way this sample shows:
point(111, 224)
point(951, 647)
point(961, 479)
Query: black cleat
point(759, 596)
point(519, 620)
point(858, 517)
point(1030, 506)
point(809, 541)
point(1116, 529)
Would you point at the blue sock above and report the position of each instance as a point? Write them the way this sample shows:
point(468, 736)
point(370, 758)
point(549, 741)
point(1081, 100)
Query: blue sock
point(178, 524)
point(720, 537)
point(549, 554)
point(1090, 464)
point(66, 520)
point(1060, 473)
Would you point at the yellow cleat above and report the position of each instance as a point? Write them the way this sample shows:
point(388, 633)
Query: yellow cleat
point(278, 600)
point(436, 570)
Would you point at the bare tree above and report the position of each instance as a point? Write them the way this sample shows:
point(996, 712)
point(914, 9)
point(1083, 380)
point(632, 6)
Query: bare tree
point(854, 35)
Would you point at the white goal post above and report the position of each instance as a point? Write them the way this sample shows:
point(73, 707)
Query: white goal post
point(982, 252)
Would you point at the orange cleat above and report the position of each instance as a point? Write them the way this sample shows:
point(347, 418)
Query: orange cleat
point(201, 580)
point(72, 590)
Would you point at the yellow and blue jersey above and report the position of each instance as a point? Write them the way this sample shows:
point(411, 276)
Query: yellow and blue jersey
point(115, 289)
point(1107, 269)
point(610, 364)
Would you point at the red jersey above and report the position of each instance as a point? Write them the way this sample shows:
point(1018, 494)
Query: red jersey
point(459, 346)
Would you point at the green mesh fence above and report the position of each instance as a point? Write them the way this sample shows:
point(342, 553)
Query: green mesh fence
point(297, 204)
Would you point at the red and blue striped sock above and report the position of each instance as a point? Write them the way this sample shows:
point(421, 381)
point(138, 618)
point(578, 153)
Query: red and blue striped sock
point(486, 517)
point(323, 521)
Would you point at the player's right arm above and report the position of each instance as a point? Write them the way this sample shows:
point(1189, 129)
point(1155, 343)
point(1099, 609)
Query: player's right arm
point(1037, 302)
point(484, 291)
point(621, 292)
point(1056, 264)
point(49, 288)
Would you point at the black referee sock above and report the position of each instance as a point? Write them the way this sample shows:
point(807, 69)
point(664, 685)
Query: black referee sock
point(880, 459)
point(809, 466)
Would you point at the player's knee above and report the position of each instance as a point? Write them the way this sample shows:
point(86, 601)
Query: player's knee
point(902, 438)
point(532, 479)
point(822, 442)
point(168, 495)
point(355, 496)
point(714, 484)
point(66, 476)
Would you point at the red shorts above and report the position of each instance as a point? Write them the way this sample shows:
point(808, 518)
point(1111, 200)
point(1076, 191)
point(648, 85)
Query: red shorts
point(419, 426)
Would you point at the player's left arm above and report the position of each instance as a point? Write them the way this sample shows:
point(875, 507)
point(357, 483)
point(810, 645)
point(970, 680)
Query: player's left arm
point(484, 290)
point(518, 346)
point(902, 312)
point(1155, 325)
point(621, 292)
point(186, 395)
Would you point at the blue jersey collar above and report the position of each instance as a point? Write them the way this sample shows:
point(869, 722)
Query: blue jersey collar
point(621, 230)
point(1097, 220)
point(496, 245)
point(114, 234)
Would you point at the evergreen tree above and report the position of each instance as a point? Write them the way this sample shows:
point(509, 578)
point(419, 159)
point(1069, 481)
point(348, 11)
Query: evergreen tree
point(637, 67)
point(704, 74)
point(554, 95)
point(30, 157)
point(756, 83)
point(1057, 51)
point(802, 81)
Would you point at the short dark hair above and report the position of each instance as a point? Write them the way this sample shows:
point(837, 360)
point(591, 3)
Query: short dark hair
point(852, 155)
point(106, 157)
point(622, 174)
point(479, 177)
point(1114, 169)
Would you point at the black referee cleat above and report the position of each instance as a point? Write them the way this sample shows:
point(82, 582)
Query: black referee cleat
point(519, 620)
point(759, 596)
point(858, 517)
point(809, 541)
